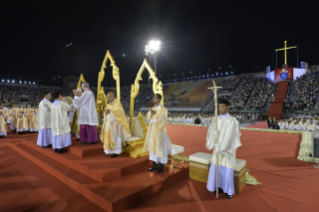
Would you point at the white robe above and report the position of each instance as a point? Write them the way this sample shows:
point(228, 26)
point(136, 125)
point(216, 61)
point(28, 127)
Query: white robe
point(44, 115)
point(167, 148)
point(71, 114)
point(228, 140)
point(59, 118)
point(86, 105)
point(118, 139)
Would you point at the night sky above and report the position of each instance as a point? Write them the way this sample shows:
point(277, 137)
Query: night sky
point(195, 35)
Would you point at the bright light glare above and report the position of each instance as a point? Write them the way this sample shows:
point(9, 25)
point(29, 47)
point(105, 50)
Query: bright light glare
point(12, 81)
point(153, 46)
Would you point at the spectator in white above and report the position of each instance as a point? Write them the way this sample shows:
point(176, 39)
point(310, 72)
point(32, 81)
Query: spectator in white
point(88, 119)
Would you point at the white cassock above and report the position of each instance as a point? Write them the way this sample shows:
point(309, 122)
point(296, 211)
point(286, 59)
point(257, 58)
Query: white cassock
point(167, 148)
point(118, 136)
point(228, 141)
point(45, 135)
point(71, 114)
point(60, 125)
point(311, 127)
point(86, 105)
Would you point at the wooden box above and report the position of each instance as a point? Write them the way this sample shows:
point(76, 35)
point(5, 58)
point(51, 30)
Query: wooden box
point(199, 164)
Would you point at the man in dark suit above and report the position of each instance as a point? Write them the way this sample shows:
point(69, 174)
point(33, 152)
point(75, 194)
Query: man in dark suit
point(269, 122)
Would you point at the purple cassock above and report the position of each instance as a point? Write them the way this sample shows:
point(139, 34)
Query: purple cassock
point(88, 119)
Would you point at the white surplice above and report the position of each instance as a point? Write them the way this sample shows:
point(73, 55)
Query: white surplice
point(86, 105)
point(167, 147)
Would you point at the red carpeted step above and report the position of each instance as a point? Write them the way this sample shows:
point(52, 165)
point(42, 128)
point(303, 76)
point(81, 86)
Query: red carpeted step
point(100, 167)
point(125, 192)
point(275, 108)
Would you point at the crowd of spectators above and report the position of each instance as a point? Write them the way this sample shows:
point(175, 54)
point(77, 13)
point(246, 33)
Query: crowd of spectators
point(20, 94)
point(306, 91)
point(229, 85)
point(242, 93)
point(260, 94)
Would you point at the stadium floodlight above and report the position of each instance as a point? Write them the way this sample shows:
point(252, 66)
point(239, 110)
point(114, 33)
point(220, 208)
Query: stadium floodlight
point(13, 81)
point(152, 47)
point(8, 80)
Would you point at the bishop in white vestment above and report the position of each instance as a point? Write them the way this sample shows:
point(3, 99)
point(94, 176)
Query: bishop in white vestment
point(60, 124)
point(227, 135)
point(45, 135)
point(157, 141)
point(88, 119)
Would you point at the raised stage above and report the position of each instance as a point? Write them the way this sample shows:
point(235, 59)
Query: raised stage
point(84, 179)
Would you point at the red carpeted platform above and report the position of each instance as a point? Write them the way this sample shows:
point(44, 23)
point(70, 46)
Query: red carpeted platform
point(275, 108)
point(111, 183)
point(124, 184)
point(260, 125)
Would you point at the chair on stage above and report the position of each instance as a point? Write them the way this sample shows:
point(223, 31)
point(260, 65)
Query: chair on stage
point(134, 144)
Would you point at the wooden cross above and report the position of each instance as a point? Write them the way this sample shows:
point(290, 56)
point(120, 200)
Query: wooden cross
point(285, 49)
point(215, 89)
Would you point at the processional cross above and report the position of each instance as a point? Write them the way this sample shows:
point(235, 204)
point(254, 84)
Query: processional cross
point(285, 49)
point(215, 89)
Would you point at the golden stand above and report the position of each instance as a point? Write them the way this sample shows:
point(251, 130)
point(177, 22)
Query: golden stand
point(135, 147)
point(101, 101)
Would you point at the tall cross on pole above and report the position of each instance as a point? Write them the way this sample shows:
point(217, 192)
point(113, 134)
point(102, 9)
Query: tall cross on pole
point(215, 89)
point(285, 49)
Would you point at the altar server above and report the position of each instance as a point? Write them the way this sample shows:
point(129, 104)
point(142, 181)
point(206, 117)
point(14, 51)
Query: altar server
point(115, 128)
point(60, 124)
point(228, 134)
point(45, 135)
point(87, 119)
point(157, 141)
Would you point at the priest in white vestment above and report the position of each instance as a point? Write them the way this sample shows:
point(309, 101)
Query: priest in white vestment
point(227, 135)
point(157, 141)
point(45, 135)
point(88, 119)
point(115, 128)
point(13, 117)
point(3, 123)
point(60, 124)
